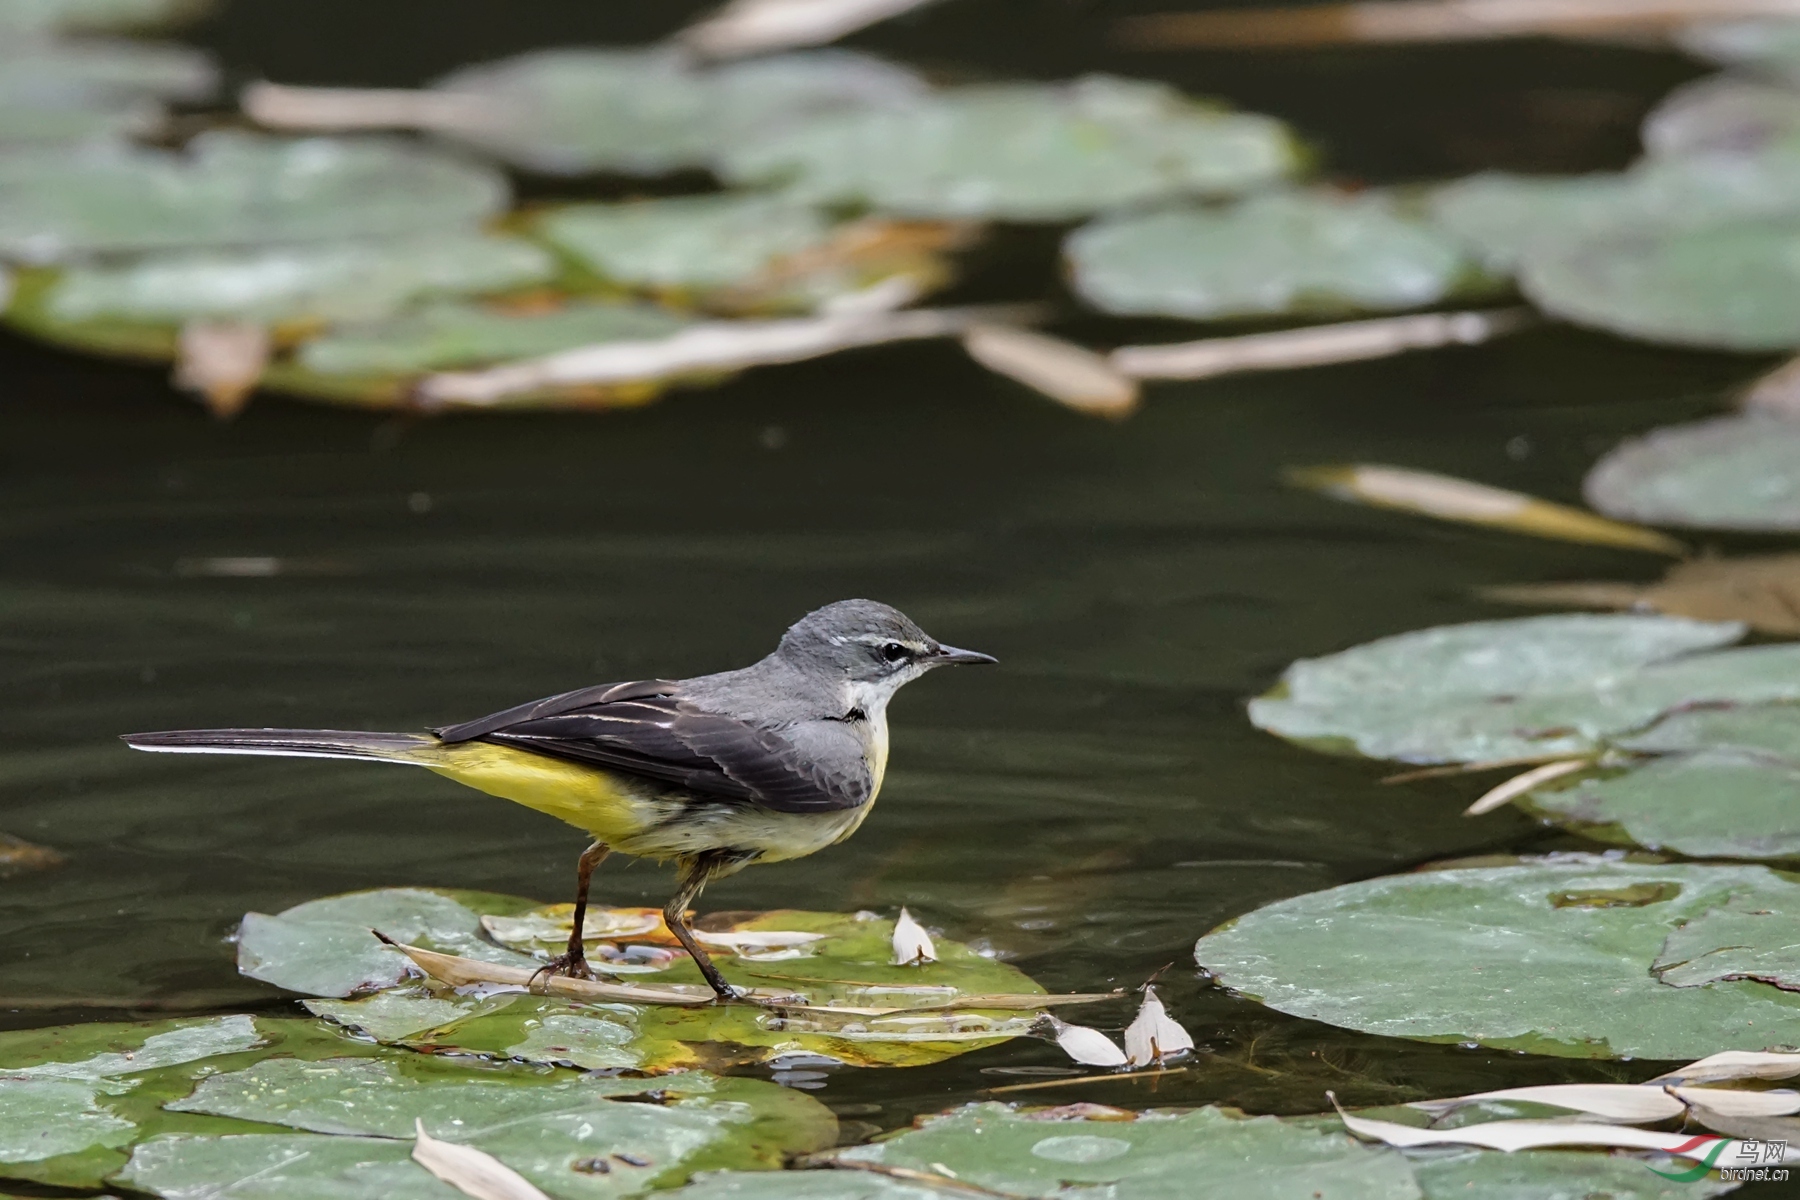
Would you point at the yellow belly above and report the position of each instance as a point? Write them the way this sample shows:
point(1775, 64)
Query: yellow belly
point(638, 818)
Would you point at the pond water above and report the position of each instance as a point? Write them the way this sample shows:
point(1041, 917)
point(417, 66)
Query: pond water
point(1088, 808)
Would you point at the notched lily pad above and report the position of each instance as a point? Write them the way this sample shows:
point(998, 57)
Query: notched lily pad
point(842, 960)
point(1486, 955)
point(234, 189)
point(1740, 939)
point(1728, 473)
point(1024, 152)
point(1534, 687)
point(1280, 253)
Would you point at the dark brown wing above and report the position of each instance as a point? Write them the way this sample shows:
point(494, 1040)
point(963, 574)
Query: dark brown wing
point(647, 729)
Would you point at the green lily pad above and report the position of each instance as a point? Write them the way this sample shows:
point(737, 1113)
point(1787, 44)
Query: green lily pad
point(685, 242)
point(1722, 114)
point(266, 1166)
point(1025, 152)
point(58, 91)
point(1712, 803)
point(320, 281)
point(1154, 1155)
point(323, 947)
point(1769, 45)
point(543, 1126)
point(92, 16)
point(1551, 958)
point(1732, 286)
point(234, 189)
point(1740, 939)
point(326, 947)
point(74, 1098)
point(457, 334)
point(1279, 253)
point(1510, 219)
point(648, 112)
point(1728, 473)
point(1535, 686)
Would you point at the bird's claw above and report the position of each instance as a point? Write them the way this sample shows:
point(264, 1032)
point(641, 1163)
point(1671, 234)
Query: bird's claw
point(571, 966)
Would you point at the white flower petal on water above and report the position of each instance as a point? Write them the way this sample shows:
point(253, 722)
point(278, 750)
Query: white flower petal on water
point(470, 1171)
point(1087, 1046)
point(911, 943)
point(1154, 1035)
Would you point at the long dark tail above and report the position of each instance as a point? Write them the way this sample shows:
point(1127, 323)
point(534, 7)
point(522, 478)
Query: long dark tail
point(418, 749)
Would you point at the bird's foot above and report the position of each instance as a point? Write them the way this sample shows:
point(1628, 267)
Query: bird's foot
point(573, 965)
point(726, 994)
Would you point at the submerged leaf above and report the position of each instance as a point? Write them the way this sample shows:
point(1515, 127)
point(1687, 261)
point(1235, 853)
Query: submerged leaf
point(1452, 499)
point(1486, 954)
point(1726, 473)
point(1269, 254)
point(1027, 152)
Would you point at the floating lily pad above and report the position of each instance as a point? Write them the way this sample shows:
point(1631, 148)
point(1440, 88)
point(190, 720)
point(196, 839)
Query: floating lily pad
point(1740, 939)
point(1728, 473)
point(1719, 803)
point(321, 281)
point(1507, 219)
point(1722, 114)
point(233, 189)
point(1537, 686)
point(1144, 1155)
point(1732, 286)
point(647, 112)
point(264, 1166)
point(88, 16)
point(1768, 44)
point(1552, 958)
point(684, 242)
point(1280, 253)
point(1027, 152)
point(452, 334)
point(58, 91)
point(324, 947)
point(543, 1126)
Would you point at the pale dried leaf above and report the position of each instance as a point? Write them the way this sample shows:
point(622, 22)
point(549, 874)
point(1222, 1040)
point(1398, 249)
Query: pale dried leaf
point(223, 361)
point(757, 939)
point(1530, 1135)
point(1452, 499)
point(1071, 375)
point(470, 1171)
point(1778, 392)
point(1736, 1064)
point(1084, 1045)
point(707, 348)
point(1154, 1035)
point(1434, 21)
point(1761, 591)
point(280, 106)
point(1315, 345)
point(1734, 1102)
point(911, 943)
point(1614, 1101)
point(759, 26)
point(1522, 783)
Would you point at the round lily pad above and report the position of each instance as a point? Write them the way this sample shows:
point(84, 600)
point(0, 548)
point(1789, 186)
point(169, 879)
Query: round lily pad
point(1552, 958)
point(1280, 253)
point(310, 282)
point(234, 189)
point(59, 91)
point(647, 112)
point(1025, 152)
point(1532, 687)
point(456, 334)
point(1769, 44)
point(19, 17)
point(1722, 114)
point(1507, 219)
point(324, 947)
point(685, 242)
point(1728, 473)
point(1732, 286)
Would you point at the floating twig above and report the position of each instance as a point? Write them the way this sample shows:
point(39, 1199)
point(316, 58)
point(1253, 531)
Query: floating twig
point(1074, 1079)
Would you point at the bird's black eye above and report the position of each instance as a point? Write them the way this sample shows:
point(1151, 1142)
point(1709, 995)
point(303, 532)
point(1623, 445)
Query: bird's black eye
point(894, 652)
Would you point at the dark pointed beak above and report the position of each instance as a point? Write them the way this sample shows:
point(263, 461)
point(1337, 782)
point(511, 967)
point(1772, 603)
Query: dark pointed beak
point(950, 654)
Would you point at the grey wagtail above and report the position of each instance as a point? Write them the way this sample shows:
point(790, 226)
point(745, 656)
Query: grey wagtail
point(762, 764)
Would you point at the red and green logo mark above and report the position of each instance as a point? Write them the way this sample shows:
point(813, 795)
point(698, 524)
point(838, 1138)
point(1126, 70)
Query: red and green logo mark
point(1705, 1164)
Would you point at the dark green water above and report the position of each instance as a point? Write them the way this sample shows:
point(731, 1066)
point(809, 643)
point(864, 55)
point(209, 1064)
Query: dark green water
point(1089, 808)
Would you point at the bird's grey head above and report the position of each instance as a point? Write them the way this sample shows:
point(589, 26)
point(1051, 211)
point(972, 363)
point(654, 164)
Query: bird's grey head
point(868, 643)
